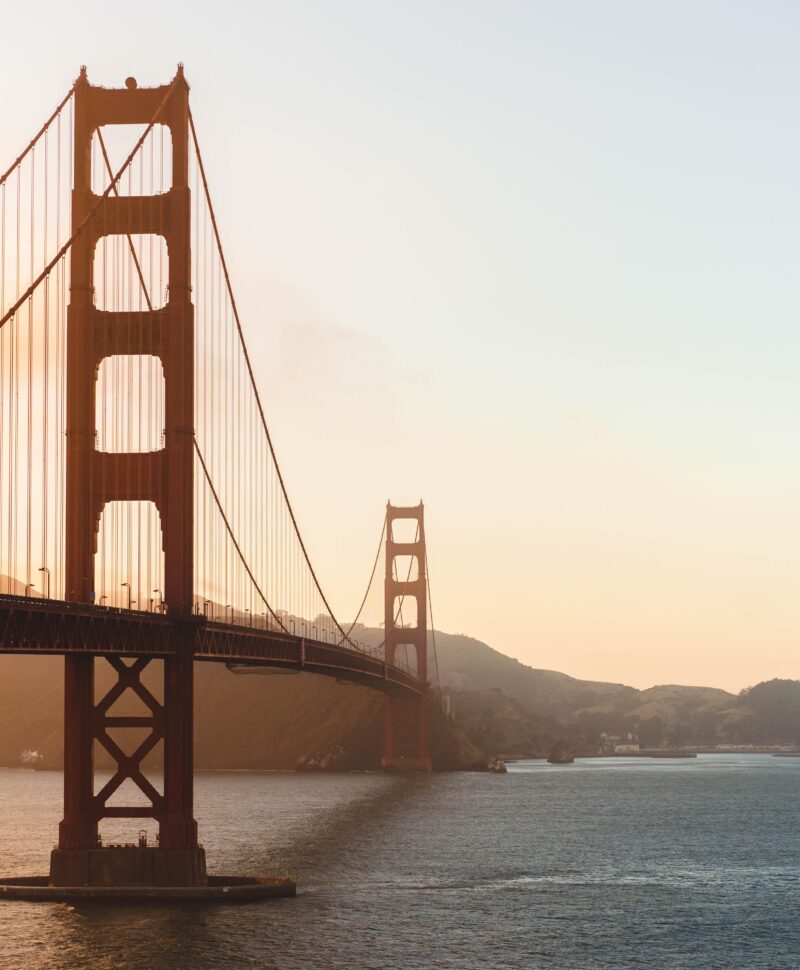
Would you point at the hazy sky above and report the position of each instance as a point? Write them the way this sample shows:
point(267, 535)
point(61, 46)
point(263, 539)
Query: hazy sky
point(534, 262)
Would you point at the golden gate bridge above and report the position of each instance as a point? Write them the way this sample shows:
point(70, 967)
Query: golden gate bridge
point(144, 518)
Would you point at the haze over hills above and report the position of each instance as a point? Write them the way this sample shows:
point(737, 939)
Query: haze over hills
point(504, 702)
point(468, 664)
point(501, 705)
point(13, 587)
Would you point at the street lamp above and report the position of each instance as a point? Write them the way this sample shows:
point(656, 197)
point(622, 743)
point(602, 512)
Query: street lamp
point(27, 587)
point(128, 585)
point(46, 571)
point(160, 600)
point(205, 608)
point(228, 607)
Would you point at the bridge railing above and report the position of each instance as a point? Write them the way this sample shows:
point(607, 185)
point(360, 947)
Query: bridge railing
point(34, 625)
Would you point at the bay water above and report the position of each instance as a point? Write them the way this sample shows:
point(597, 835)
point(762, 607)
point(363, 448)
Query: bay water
point(610, 863)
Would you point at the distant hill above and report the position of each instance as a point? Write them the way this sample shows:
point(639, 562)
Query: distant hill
point(251, 720)
point(524, 708)
point(12, 587)
point(468, 664)
point(499, 724)
point(502, 707)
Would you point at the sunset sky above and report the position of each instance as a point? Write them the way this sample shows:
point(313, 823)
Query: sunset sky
point(532, 262)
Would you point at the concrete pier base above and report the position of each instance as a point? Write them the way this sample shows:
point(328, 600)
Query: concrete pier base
point(219, 889)
point(128, 865)
point(138, 873)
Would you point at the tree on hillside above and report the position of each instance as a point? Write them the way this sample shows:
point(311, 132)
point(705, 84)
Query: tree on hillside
point(776, 709)
point(651, 732)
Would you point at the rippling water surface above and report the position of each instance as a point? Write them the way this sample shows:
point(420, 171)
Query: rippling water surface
point(619, 863)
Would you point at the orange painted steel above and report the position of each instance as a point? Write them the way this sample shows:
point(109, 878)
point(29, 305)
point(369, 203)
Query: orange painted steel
point(164, 477)
point(406, 746)
point(35, 626)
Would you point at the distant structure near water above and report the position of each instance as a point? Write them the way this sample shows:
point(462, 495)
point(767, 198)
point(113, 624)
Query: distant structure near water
point(619, 743)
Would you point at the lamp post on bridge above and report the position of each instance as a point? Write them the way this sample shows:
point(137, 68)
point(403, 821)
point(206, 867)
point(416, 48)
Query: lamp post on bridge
point(46, 571)
point(128, 586)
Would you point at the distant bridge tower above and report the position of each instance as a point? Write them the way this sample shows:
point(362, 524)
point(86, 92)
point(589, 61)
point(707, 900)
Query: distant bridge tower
point(406, 733)
point(164, 477)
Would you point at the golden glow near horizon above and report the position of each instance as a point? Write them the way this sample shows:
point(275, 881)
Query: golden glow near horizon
point(532, 263)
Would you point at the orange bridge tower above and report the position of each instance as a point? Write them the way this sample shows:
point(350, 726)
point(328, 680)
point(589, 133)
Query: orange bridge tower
point(406, 734)
point(163, 477)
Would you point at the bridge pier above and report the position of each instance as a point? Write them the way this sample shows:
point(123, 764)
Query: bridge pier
point(406, 745)
point(78, 828)
point(108, 866)
point(80, 859)
point(177, 826)
point(406, 734)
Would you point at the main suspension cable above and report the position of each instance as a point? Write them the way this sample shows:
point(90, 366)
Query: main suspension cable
point(369, 584)
point(433, 628)
point(233, 537)
point(32, 143)
point(134, 254)
point(262, 416)
point(90, 214)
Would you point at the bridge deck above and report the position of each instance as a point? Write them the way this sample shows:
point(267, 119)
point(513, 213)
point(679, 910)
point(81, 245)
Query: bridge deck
point(38, 626)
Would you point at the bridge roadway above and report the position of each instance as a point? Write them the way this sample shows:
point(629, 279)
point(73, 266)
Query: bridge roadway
point(40, 626)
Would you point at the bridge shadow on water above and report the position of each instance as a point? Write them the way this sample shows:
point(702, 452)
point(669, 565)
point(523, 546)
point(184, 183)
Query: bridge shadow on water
point(620, 866)
point(322, 829)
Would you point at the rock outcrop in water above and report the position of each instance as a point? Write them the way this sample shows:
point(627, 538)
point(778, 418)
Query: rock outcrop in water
point(332, 759)
point(560, 753)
